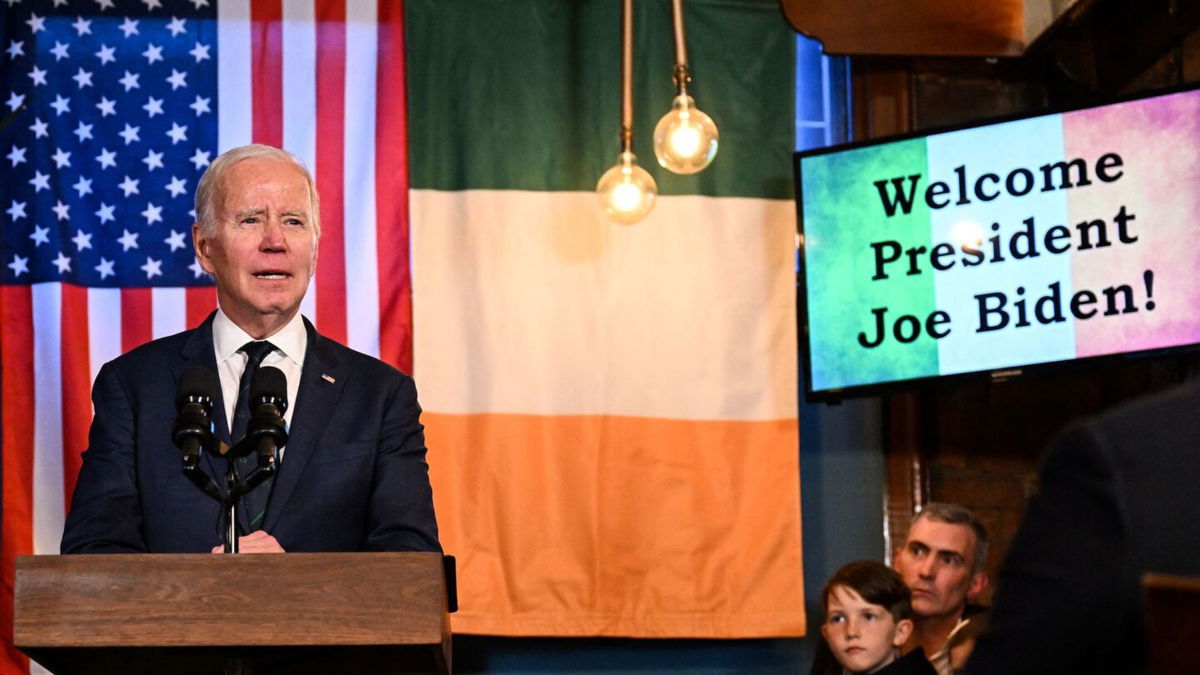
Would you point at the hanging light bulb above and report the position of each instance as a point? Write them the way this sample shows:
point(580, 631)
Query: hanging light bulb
point(627, 191)
point(685, 139)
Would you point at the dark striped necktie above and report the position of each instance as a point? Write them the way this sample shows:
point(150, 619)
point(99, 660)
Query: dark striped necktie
point(255, 502)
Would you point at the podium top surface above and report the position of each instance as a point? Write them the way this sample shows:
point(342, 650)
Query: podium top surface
point(201, 600)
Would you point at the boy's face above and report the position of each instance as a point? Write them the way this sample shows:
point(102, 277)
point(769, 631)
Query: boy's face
point(864, 637)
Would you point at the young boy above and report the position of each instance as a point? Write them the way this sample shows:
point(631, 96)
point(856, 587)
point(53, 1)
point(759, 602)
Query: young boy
point(868, 613)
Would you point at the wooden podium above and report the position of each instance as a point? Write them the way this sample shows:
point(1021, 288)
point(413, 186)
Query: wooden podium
point(289, 613)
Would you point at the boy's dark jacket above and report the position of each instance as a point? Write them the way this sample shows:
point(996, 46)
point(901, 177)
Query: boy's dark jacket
point(912, 663)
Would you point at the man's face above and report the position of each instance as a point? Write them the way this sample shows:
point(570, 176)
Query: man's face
point(936, 565)
point(262, 249)
point(864, 637)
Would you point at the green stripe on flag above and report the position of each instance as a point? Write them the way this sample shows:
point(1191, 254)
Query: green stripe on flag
point(843, 217)
point(525, 94)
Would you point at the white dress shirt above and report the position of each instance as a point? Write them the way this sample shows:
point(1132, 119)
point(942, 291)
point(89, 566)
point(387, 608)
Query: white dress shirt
point(290, 342)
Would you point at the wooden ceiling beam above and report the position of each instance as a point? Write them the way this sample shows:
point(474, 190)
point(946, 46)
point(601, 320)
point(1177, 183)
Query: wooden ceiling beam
point(989, 28)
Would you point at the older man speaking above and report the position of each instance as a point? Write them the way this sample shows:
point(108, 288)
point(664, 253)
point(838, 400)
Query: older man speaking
point(352, 476)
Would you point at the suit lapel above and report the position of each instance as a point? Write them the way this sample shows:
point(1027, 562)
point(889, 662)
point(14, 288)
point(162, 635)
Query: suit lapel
point(321, 384)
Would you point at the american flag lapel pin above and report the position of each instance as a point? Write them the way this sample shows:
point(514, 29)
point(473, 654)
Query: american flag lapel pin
point(328, 378)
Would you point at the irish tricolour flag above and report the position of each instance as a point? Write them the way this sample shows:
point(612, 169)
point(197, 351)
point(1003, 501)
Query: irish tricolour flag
point(611, 410)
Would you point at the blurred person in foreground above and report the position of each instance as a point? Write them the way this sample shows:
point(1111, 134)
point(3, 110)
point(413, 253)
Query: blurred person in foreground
point(1117, 499)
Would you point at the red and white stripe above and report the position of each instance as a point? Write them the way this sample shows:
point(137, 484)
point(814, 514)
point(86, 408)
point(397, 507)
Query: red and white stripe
point(324, 80)
point(338, 69)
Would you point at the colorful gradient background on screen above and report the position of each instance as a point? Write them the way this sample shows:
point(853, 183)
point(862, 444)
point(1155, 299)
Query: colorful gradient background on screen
point(1158, 140)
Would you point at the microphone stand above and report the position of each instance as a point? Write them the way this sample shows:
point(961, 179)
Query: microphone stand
point(266, 434)
point(235, 488)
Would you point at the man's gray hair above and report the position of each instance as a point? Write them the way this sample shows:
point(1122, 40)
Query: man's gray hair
point(206, 190)
point(954, 514)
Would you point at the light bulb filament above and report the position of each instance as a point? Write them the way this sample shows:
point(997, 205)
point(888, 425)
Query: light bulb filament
point(627, 191)
point(685, 139)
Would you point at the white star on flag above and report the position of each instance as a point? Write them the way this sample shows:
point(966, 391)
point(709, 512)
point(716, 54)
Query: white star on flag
point(177, 133)
point(176, 186)
point(152, 268)
point(105, 268)
point(82, 240)
point(40, 235)
point(40, 181)
point(153, 160)
point(105, 213)
point(19, 265)
point(152, 213)
point(107, 158)
point(129, 186)
point(175, 241)
point(128, 240)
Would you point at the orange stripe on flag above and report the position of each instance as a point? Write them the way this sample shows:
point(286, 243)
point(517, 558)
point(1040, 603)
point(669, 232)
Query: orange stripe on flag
point(620, 526)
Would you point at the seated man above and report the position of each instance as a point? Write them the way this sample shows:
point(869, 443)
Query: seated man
point(352, 476)
point(942, 563)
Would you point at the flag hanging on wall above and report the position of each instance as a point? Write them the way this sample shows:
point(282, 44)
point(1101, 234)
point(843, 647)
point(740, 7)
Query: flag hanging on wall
point(611, 410)
point(111, 110)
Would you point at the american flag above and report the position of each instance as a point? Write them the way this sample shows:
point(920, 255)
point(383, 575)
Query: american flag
point(110, 111)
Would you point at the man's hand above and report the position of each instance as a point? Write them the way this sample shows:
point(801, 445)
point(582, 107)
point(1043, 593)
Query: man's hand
point(257, 541)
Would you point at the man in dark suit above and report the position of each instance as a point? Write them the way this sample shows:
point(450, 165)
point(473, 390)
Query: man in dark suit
point(1117, 499)
point(352, 475)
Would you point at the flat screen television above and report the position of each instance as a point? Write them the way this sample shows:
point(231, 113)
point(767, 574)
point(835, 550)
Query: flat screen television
point(999, 246)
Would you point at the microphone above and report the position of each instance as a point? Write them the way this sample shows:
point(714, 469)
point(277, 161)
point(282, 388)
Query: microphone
point(266, 432)
point(193, 431)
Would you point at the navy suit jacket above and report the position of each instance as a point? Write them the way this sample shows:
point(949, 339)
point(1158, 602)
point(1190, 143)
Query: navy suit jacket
point(353, 475)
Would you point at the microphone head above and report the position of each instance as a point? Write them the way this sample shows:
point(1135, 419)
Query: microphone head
point(269, 383)
point(196, 384)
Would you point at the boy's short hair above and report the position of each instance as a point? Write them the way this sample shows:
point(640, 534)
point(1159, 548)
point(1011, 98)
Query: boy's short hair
point(874, 582)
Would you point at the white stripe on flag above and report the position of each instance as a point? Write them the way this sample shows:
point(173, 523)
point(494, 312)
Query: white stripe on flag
point(49, 510)
point(362, 275)
point(168, 311)
point(299, 104)
point(688, 315)
point(104, 327)
point(234, 121)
